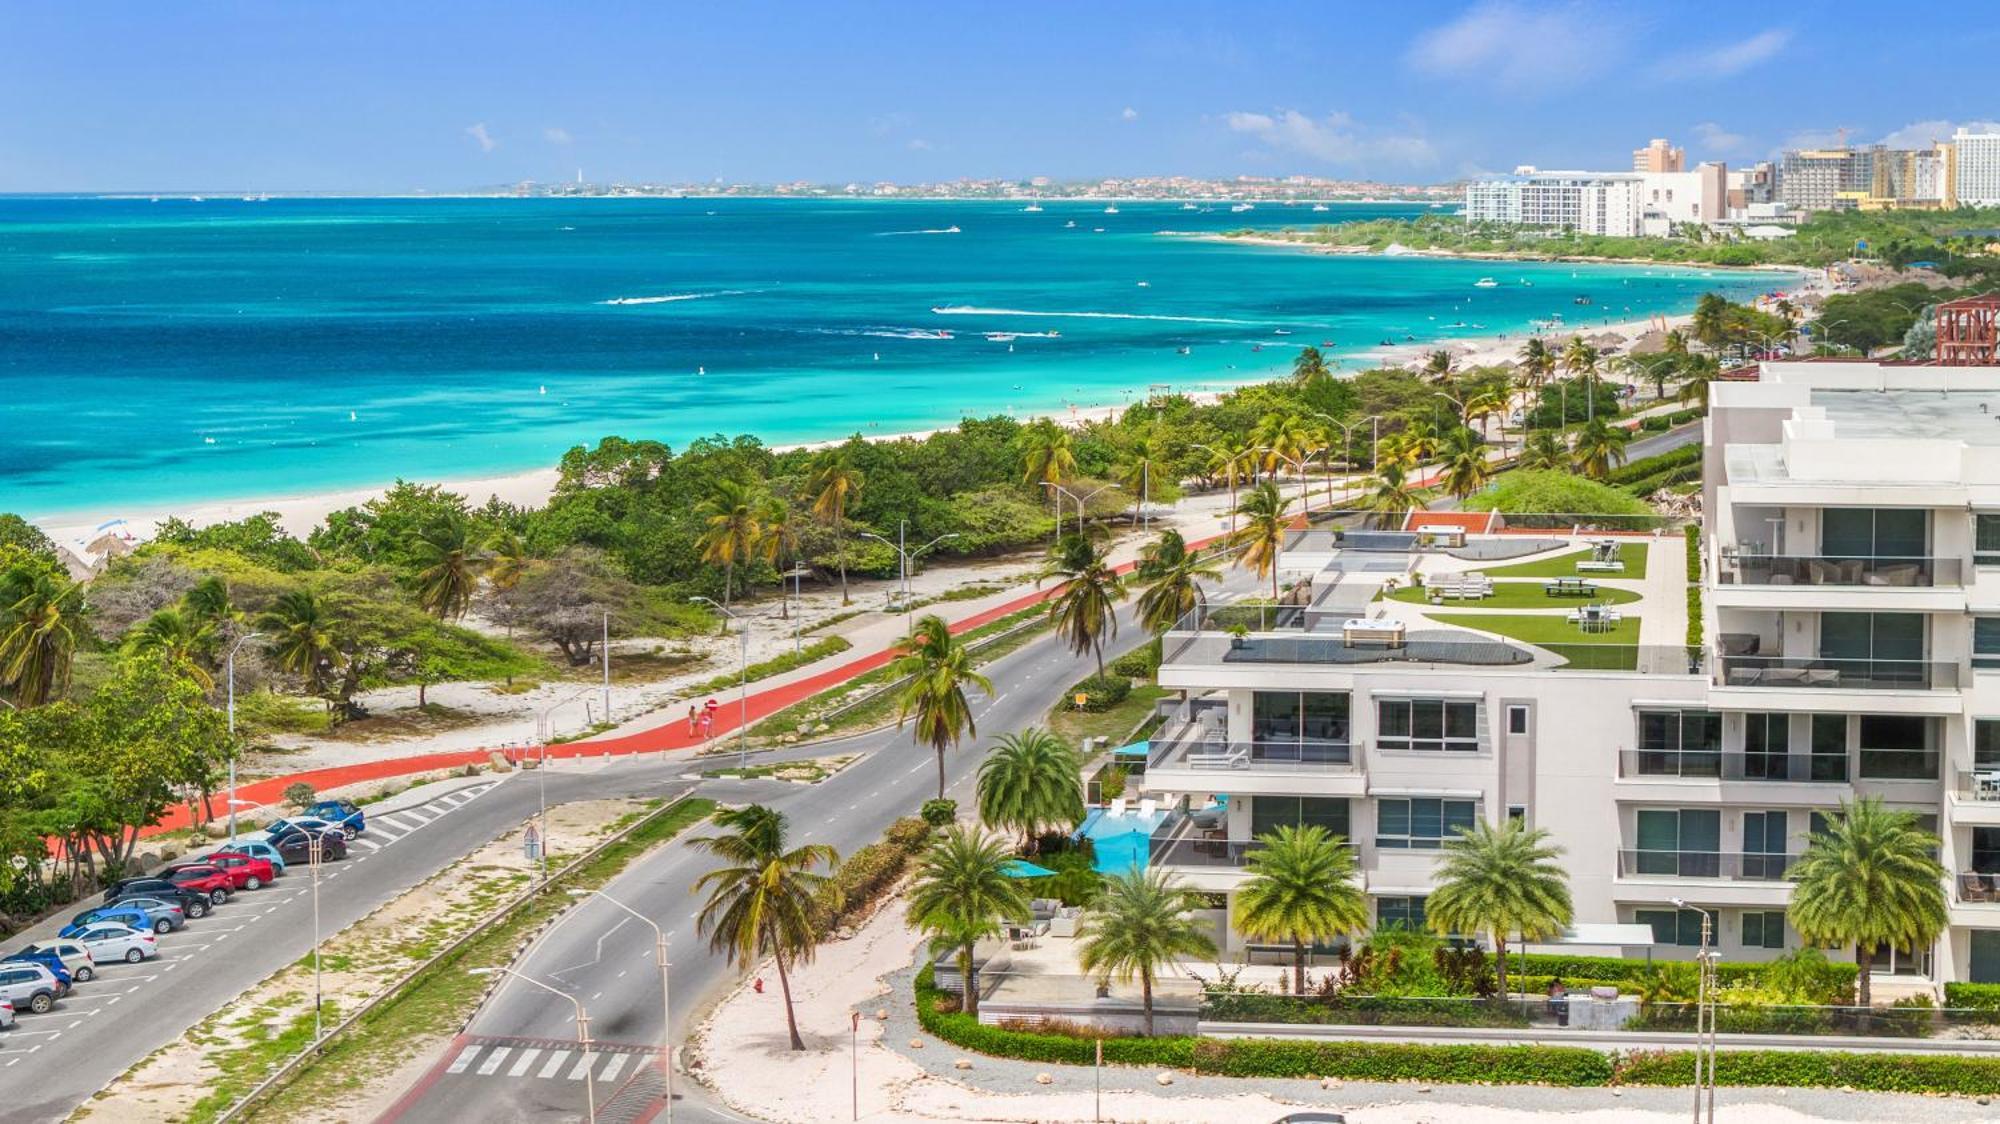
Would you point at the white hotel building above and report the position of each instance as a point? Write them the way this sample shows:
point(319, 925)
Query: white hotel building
point(1850, 572)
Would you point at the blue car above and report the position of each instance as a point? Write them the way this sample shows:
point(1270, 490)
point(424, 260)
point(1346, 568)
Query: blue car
point(153, 914)
point(47, 958)
point(342, 812)
point(256, 849)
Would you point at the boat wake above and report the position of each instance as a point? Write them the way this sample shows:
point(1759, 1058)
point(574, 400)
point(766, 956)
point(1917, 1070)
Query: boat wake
point(894, 233)
point(669, 298)
point(888, 333)
point(974, 310)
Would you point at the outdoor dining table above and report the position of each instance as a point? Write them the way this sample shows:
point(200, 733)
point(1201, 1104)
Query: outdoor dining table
point(1570, 587)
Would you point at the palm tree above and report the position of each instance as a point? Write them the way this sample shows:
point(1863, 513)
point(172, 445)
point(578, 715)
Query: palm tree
point(1032, 782)
point(506, 559)
point(1262, 533)
point(208, 602)
point(41, 620)
point(305, 637)
point(938, 668)
point(179, 639)
point(732, 516)
point(1580, 359)
point(1537, 362)
point(780, 542)
point(1283, 437)
point(1300, 891)
point(1309, 365)
point(1391, 491)
point(1500, 881)
point(1697, 373)
point(1465, 466)
point(1599, 446)
point(1869, 879)
point(1139, 472)
point(1421, 440)
point(835, 483)
point(761, 904)
point(1491, 404)
point(962, 894)
point(1085, 609)
point(1171, 575)
point(448, 569)
point(1048, 454)
point(1138, 926)
point(1544, 451)
point(1438, 365)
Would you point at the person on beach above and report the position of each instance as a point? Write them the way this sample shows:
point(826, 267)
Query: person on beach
point(694, 720)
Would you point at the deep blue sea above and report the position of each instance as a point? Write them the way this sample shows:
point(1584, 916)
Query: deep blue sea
point(159, 353)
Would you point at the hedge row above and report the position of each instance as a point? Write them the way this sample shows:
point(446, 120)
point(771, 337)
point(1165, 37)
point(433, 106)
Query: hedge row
point(1621, 970)
point(1694, 627)
point(1100, 693)
point(1890, 1073)
point(868, 873)
point(1651, 466)
point(1978, 996)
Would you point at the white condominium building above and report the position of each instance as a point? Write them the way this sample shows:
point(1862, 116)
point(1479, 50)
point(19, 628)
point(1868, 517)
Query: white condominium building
point(1850, 573)
point(1588, 202)
point(1978, 173)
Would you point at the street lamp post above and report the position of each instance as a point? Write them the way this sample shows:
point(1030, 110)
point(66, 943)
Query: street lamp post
point(315, 851)
point(1704, 1010)
point(907, 558)
point(742, 677)
point(1229, 466)
point(1305, 501)
point(230, 671)
point(542, 735)
point(1080, 501)
point(666, 993)
point(1347, 442)
point(582, 1033)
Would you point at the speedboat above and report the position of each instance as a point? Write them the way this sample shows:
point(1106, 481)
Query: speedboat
point(1486, 283)
point(1319, 206)
point(1111, 210)
point(1281, 331)
point(1241, 207)
point(1032, 208)
point(1189, 207)
point(1182, 350)
point(1070, 225)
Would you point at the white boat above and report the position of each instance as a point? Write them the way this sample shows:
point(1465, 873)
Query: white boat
point(1241, 207)
point(1145, 284)
point(1281, 331)
point(1319, 206)
point(1032, 208)
point(1486, 283)
point(953, 230)
point(1189, 207)
point(1071, 224)
point(1111, 210)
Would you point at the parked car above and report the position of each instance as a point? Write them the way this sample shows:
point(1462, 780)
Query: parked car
point(343, 812)
point(118, 942)
point(193, 904)
point(296, 846)
point(136, 913)
point(256, 849)
point(245, 873)
point(306, 823)
point(61, 954)
point(31, 986)
point(6, 1014)
point(202, 878)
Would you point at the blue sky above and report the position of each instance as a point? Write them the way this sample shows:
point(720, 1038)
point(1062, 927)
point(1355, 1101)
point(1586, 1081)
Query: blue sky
point(433, 94)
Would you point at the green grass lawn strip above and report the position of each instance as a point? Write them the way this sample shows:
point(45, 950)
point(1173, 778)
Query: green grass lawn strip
point(1564, 565)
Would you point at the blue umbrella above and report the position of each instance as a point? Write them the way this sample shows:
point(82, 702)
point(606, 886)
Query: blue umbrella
point(1127, 850)
point(1022, 868)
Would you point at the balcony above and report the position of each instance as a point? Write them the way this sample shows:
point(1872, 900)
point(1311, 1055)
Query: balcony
point(1727, 866)
point(1899, 764)
point(1195, 757)
point(1834, 570)
point(1194, 852)
point(1976, 887)
point(1800, 768)
point(1802, 672)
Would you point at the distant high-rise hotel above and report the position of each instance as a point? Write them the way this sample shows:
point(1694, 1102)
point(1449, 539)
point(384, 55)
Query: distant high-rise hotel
point(1977, 170)
point(1659, 156)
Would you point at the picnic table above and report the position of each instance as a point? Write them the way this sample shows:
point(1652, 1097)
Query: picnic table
point(1594, 618)
point(1570, 587)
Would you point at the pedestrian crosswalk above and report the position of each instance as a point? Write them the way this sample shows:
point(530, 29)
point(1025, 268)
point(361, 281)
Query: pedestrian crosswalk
point(385, 828)
point(547, 1062)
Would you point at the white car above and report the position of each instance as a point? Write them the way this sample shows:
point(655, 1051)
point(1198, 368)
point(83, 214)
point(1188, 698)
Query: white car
point(112, 941)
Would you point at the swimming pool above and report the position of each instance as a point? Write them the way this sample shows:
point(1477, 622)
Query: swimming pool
point(1120, 841)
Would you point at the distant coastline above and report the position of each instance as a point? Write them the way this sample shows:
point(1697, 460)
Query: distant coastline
point(1280, 242)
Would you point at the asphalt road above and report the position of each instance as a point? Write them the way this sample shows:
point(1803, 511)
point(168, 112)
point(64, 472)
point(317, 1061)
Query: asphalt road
point(519, 1060)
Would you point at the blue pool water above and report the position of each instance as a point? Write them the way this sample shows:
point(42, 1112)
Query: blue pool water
point(161, 353)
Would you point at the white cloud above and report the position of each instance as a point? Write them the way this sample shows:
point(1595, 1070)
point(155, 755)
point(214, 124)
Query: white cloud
point(1507, 45)
point(1334, 140)
point(1724, 60)
point(1920, 134)
point(918, 144)
point(1130, 114)
point(1712, 139)
point(557, 136)
point(478, 132)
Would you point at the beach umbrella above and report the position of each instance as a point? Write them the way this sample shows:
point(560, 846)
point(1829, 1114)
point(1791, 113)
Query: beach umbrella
point(1136, 749)
point(1127, 850)
point(1022, 868)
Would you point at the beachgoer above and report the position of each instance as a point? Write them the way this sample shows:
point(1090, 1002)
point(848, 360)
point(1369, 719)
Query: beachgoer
point(694, 719)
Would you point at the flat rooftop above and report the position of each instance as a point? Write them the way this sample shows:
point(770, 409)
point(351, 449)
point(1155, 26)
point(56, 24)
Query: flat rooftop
point(1971, 416)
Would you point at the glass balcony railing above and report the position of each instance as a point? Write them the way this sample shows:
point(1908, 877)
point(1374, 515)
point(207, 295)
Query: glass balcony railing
point(1696, 764)
point(1840, 570)
point(1729, 866)
point(1197, 749)
point(1899, 764)
point(1196, 851)
point(1980, 784)
point(1837, 674)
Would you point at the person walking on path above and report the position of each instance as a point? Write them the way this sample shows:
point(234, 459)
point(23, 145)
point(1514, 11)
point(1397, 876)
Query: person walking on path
point(694, 720)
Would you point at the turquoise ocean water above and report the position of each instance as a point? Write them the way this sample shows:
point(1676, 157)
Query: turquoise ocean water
point(158, 353)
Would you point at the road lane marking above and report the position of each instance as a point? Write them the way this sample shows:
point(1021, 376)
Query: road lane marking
point(526, 1059)
point(611, 1071)
point(368, 843)
point(494, 1059)
point(464, 1059)
point(555, 1064)
point(582, 1067)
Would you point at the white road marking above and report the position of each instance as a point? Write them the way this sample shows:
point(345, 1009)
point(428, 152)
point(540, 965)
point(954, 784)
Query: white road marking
point(494, 1060)
point(526, 1059)
point(582, 1067)
point(611, 1071)
point(464, 1059)
point(368, 843)
point(555, 1064)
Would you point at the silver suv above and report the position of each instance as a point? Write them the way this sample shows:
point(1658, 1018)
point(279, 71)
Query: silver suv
point(29, 987)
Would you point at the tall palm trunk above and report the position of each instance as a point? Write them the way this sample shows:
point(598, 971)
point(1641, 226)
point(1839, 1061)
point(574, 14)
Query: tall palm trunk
point(728, 586)
point(940, 757)
point(840, 550)
point(1146, 997)
point(1500, 964)
point(1298, 966)
point(791, 1017)
point(1864, 959)
point(969, 998)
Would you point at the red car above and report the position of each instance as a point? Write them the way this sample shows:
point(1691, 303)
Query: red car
point(202, 879)
point(246, 872)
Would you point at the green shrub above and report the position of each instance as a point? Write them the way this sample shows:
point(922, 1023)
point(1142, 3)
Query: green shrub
point(299, 794)
point(1100, 693)
point(938, 813)
point(1633, 971)
point(1655, 465)
point(1357, 1010)
point(1895, 1073)
point(1693, 534)
point(1563, 493)
point(1974, 996)
point(1142, 662)
point(867, 874)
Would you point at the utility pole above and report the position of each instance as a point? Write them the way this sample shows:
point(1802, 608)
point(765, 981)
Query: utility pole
point(605, 647)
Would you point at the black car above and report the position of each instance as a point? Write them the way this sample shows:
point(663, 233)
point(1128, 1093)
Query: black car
point(193, 903)
point(295, 846)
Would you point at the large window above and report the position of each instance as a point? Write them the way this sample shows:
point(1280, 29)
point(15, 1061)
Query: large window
point(1986, 743)
point(1432, 725)
point(1680, 743)
point(1986, 641)
point(1406, 912)
point(1859, 532)
point(1299, 717)
point(1764, 844)
point(1871, 636)
point(1767, 746)
point(1672, 926)
point(1267, 812)
point(1420, 824)
point(1986, 540)
point(1764, 928)
point(1898, 747)
point(1685, 842)
point(1829, 747)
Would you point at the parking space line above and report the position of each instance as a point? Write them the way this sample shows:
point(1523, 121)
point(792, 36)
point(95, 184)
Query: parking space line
point(526, 1059)
point(555, 1063)
point(368, 843)
point(494, 1059)
point(464, 1059)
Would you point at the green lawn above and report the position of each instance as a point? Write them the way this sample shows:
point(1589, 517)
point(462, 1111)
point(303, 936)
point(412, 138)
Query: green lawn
point(1548, 629)
point(1564, 565)
point(1520, 595)
point(1072, 725)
